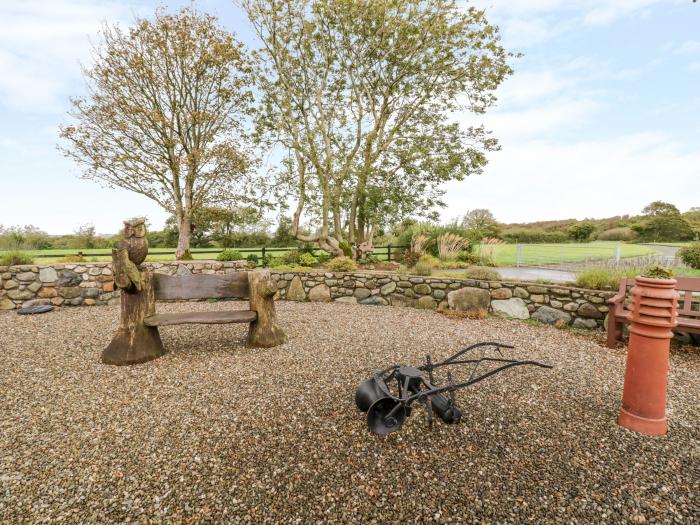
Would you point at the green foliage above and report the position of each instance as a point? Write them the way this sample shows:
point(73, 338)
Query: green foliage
point(15, 257)
point(658, 272)
point(307, 259)
point(466, 256)
point(342, 264)
point(581, 232)
point(253, 260)
point(663, 222)
point(602, 278)
point(690, 255)
point(291, 257)
point(482, 273)
point(346, 248)
point(624, 233)
point(283, 233)
point(480, 223)
point(534, 236)
point(229, 255)
point(187, 256)
point(429, 260)
point(290, 268)
point(422, 268)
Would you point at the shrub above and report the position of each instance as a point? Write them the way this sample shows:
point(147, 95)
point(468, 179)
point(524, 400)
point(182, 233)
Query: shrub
point(454, 265)
point(291, 257)
point(690, 255)
point(323, 257)
point(290, 268)
point(187, 256)
point(433, 262)
point(342, 264)
point(468, 257)
point(15, 257)
point(229, 255)
point(423, 268)
point(482, 273)
point(450, 245)
point(253, 259)
point(407, 258)
point(658, 272)
point(307, 259)
point(617, 234)
point(347, 249)
point(601, 278)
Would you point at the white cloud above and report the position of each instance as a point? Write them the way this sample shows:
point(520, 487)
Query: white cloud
point(689, 47)
point(41, 44)
point(538, 180)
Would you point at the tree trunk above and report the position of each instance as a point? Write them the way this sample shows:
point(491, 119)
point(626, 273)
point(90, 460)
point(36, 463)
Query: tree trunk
point(183, 240)
point(135, 342)
point(264, 332)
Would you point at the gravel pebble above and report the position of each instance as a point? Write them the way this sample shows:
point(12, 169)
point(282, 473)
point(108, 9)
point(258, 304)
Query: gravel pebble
point(216, 432)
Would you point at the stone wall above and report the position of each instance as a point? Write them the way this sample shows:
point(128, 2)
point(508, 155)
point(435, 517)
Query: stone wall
point(82, 284)
point(91, 284)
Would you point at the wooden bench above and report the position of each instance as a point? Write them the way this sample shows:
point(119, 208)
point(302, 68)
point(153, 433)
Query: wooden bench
point(688, 308)
point(137, 340)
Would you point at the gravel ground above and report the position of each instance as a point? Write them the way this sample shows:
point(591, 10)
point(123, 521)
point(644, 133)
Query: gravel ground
point(215, 432)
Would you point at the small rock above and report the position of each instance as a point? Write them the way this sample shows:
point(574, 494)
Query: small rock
point(388, 288)
point(588, 324)
point(501, 293)
point(590, 311)
point(514, 308)
point(296, 292)
point(48, 275)
point(375, 300)
point(320, 293)
point(548, 315)
point(346, 299)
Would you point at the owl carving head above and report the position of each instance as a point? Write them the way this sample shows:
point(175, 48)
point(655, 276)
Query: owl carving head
point(135, 227)
point(135, 240)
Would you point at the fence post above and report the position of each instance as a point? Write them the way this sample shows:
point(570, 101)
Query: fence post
point(388, 253)
point(264, 261)
point(518, 254)
point(617, 254)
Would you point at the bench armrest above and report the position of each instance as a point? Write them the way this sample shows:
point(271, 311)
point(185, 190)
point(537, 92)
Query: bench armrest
point(617, 298)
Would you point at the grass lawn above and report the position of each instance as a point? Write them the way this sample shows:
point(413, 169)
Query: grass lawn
point(505, 254)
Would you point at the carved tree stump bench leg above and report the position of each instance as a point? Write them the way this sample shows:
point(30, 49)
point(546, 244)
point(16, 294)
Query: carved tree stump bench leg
point(264, 332)
point(135, 342)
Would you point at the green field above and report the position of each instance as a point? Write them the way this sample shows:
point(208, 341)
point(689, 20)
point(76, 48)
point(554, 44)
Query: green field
point(505, 254)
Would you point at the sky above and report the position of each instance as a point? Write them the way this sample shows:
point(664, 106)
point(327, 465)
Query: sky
point(601, 117)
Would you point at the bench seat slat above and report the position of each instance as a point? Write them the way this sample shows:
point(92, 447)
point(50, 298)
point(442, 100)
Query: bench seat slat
point(201, 286)
point(220, 317)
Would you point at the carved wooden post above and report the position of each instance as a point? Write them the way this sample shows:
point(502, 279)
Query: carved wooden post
point(134, 342)
point(264, 332)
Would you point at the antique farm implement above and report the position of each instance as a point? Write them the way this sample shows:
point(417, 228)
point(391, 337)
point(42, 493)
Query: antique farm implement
point(389, 394)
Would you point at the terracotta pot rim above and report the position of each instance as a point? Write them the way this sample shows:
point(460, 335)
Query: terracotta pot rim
point(658, 280)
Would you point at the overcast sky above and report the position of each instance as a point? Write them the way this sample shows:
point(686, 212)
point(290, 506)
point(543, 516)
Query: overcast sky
point(601, 117)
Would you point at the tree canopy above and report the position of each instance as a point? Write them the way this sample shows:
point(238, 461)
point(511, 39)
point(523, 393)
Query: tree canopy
point(363, 97)
point(163, 114)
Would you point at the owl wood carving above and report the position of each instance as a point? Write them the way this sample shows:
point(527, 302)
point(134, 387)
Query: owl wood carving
point(135, 240)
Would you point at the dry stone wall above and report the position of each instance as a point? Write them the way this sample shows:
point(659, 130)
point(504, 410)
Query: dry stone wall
point(87, 284)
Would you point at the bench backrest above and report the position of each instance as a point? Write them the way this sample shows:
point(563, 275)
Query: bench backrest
point(687, 287)
point(201, 286)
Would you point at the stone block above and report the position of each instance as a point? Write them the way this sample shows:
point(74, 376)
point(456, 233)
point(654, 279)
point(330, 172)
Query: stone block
point(514, 308)
point(48, 275)
point(470, 299)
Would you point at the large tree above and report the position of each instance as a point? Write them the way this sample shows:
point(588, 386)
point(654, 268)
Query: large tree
point(163, 114)
point(363, 96)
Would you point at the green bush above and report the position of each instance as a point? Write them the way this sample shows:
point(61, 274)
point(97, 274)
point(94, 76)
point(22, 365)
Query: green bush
point(307, 259)
point(658, 272)
point(253, 260)
point(229, 255)
point(617, 234)
point(187, 256)
point(690, 255)
point(291, 268)
point(429, 260)
point(482, 273)
point(15, 257)
point(291, 257)
point(347, 249)
point(342, 264)
point(466, 256)
point(423, 268)
point(600, 278)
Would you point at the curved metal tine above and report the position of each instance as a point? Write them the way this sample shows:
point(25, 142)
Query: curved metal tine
point(468, 349)
point(429, 368)
point(448, 388)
